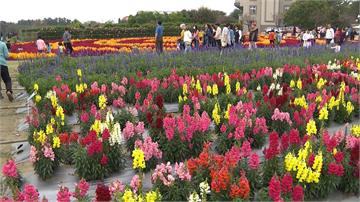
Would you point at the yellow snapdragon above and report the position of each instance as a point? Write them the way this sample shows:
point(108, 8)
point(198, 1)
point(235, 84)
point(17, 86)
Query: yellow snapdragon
point(311, 127)
point(151, 196)
point(41, 137)
point(237, 86)
point(60, 113)
point(198, 86)
point(139, 159)
point(56, 142)
point(321, 83)
point(301, 101)
point(185, 89)
point(49, 129)
point(96, 126)
point(208, 89)
point(36, 87)
point(215, 114)
point(292, 84)
point(226, 116)
point(102, 102)
point(128, 196)
point(37, 98)
point(299, 84)
point(323, 114)
point(349, 107)
point(79, 73)
point(355, 130)
point(215, 89)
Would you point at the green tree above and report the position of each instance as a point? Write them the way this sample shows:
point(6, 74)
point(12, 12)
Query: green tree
point(309, 14)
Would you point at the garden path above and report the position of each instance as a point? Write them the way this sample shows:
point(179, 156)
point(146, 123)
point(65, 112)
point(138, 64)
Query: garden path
point(13, 134)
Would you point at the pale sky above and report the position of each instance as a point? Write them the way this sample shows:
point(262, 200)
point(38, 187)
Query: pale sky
point(99, 10)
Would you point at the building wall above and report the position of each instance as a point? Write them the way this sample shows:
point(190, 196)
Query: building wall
point(269, 13)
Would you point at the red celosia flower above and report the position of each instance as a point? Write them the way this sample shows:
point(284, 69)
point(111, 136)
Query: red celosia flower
point(294, 137)
point(297, 194)
point(104, 160)
point(273, 149)
point(284, 142)
point(105, 134)
point(64, 138)
point(274, 188)
point(339, 156)
point(286, 183)
point(102, 193)
point(311, 160)
point(335, 169)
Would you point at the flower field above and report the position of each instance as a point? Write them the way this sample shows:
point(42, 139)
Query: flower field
point(86, 47)
point(208, 150)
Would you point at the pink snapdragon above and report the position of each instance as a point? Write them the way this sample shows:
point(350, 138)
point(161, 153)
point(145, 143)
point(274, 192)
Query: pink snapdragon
point(260, 126)
point(163, 173)
point(116, 186)
point(48, 152)
point(30, 193)
point(245, 149)
point(84, 117)
point(135, 183)
point(253, 161)
point(33, 153)
point(150, 148)
point(63, 194)
point(182, 172)
point(9, 169)
point(119, 103)
point(81, 189)
point(139, 129)
point(129, 130)
point(281, 116)
point(352, 142)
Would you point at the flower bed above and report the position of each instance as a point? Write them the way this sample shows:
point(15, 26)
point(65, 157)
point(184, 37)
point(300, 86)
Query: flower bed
point(91, 47)
point(211, 143)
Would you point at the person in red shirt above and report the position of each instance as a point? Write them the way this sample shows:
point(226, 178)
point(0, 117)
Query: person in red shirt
point(272, 38)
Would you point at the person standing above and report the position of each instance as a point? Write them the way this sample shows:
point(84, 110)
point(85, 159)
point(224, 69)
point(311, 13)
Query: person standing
point(187, 40)
point(217, 36)
point(67, 41)
point(195, 37)
point(272, 38)
point(329, 35)
point(181, 39)
point(5, 76)
point(208, 35)
point(253, 35)
point(232, 35)
point(225, 38)
point(159, 32)
point(40, 45)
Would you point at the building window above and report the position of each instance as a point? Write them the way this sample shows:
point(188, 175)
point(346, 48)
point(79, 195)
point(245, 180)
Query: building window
point(252, 10)
point(286, 8)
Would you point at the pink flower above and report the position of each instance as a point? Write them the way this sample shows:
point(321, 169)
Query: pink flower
point(260, 126)
point(351, 141)
point(281, 116)
point(135, 183)
point(122, 90)
point(169, 126)
point(150, 148)
point(254, 161)
point(58, 78)
point(294, 137)
point(81, 189)
point(205, 122)
point(48, 152)
point(116, 186)
point(163, 173)
point(119, 103)
point(93, 110)
point(124, 81)
point(137, 95)
point(30, 193)
point(84, 117)
point(33, 153)
point(63, 194)
point(9, 169)
point(182, 171)
point(128, 131)
point(139, 129)
point(245, 149)
point(223, 128)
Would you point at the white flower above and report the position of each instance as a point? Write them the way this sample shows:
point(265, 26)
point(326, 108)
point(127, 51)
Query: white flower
point(50, 93)
point(194, 197)
point(275, 75)
point(103, 126)
point(277, 86)
point(272, 86)
point(109, 117)
point(280, 91)
point(204, 189)
point(115, 135)
point(258, 88)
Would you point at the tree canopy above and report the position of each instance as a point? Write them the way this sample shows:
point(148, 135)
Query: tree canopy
point(309, 14)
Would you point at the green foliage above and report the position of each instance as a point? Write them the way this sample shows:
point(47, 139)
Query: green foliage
point(45, 167)
point(178, 191)
point(305, 14)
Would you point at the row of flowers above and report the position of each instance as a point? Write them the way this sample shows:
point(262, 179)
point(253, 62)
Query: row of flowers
point(27, 50)
point(290, 107)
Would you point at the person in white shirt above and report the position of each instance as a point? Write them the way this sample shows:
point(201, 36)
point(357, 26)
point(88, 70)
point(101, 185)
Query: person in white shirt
point(225, 37)
point(306, 38)
point(187, 40)
point(217, 36)
point(329, 35)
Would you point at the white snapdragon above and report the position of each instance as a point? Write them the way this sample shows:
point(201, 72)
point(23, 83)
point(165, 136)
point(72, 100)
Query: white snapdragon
point(194, 197)
point(115, 135)
point(204, 190)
